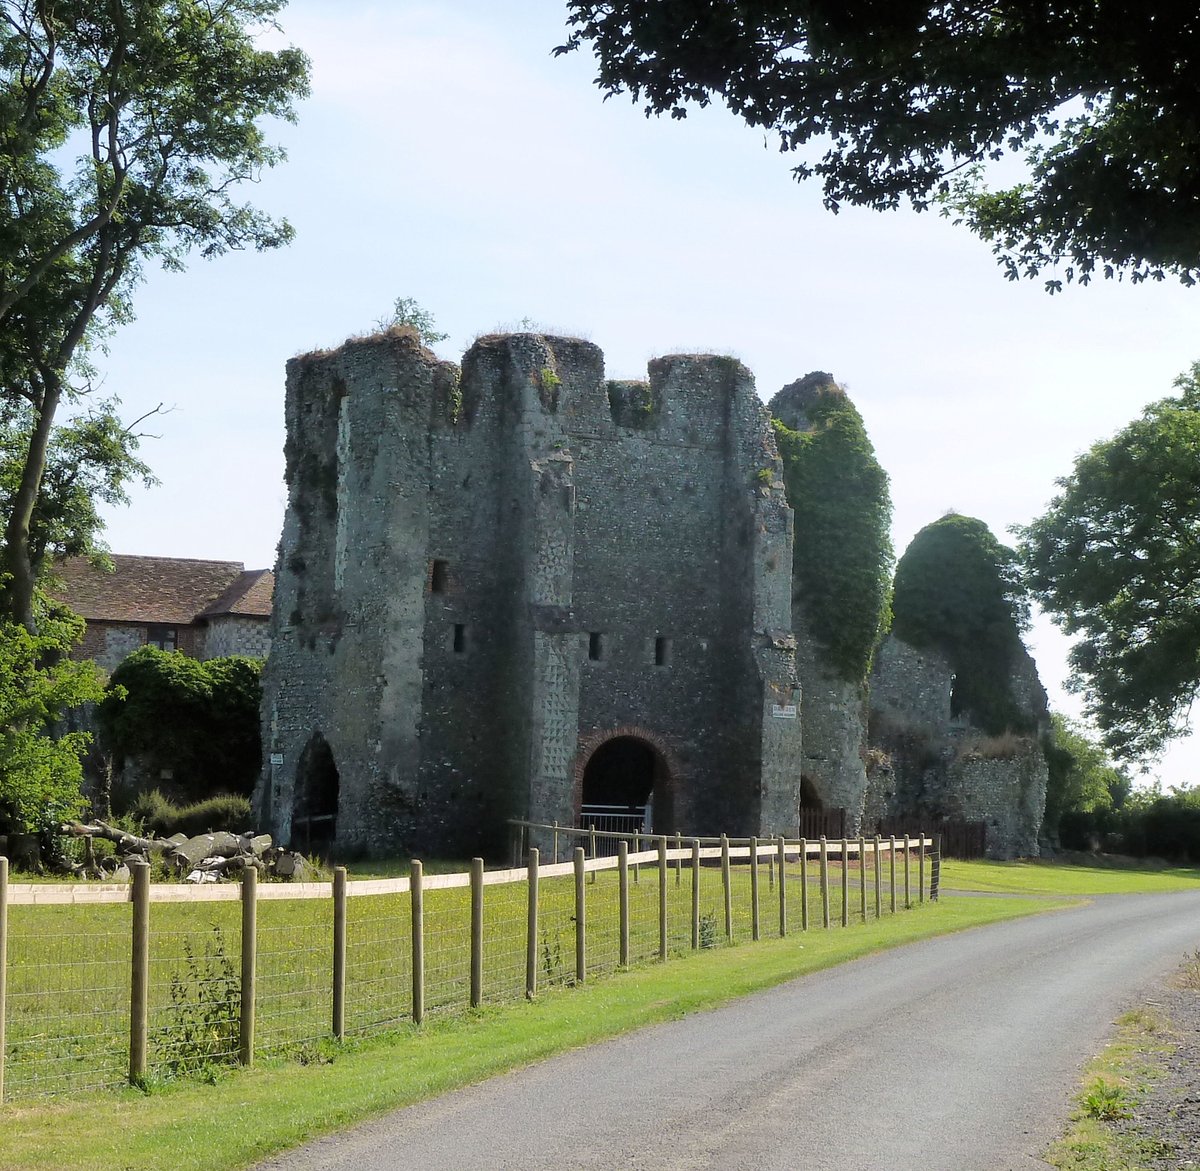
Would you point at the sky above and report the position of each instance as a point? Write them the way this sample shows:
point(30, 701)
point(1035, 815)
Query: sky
point(446, 155)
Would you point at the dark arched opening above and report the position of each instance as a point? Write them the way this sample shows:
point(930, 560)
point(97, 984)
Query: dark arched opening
point(809, 797)
point(625, 788)
point(314, 821)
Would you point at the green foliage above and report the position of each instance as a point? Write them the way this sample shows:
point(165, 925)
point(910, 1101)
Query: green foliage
point(89, 462)
point(1115, 561)
point(409, 312)
point(1081, 776)
point(1149, 823)
point(163, 817)
point(1095, 100)
point(200, 720)
point(40, 774)
point(1105, 1101)
point(842, 553)
point(202, 1029)
point(958, 592)
point(126, 132)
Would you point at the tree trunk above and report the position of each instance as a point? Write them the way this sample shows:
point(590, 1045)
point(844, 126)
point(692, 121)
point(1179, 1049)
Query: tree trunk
point(17, 560)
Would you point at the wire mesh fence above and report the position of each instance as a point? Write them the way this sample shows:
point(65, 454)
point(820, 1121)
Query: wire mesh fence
point(79, 1010)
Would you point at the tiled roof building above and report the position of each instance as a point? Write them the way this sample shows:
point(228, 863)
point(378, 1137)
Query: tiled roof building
point(205, 609)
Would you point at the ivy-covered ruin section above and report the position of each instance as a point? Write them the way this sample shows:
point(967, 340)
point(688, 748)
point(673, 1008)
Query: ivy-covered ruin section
point(842, 554)
point(958, 592)
point(841, 578)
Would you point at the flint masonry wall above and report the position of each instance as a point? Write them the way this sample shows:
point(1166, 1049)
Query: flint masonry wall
point(938, 765)
point(486, 576)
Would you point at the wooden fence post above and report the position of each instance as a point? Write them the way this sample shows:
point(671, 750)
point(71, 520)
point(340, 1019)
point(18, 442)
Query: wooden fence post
point(921, 867)
point(339, 952)
point(754, 919)
point(862, 877)
point(3, 963)
point(907, 886)
point(662, 898)
point(531, 926)
point(845, 882)
point(878, 879)
point(417, 898)
point(249, 965)
point(476, 932)
point(781, 845)
point(592, 837)
point(892, 870)
point(580, 918)
point(554, 859)
point(728, 893)
point(804, 884)
point(695, 894)
point(623, 903)
point(678, 859)
point(637, 847)
point(824, 882)
point(139, 982)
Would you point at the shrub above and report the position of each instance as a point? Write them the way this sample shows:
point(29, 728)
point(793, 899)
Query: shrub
point(1005, 746)
point(163, 817)
point(40, 773)
point(197, 720)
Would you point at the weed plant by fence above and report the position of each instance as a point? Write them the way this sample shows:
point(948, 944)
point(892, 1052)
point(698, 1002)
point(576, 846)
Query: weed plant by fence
point(102, 984)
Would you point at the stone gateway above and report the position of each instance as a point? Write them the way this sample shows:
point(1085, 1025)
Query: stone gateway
point(518, 588)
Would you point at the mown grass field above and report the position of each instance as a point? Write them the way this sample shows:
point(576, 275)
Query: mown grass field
point(281, 1103)
point(68, 998)
point(1037, 877)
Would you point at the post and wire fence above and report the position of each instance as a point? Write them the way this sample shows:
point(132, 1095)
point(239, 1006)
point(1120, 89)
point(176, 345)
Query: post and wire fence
point(103, 984)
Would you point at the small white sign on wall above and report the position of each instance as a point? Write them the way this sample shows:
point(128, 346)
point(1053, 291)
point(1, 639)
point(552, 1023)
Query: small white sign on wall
point(277, 758)
point(783, 711)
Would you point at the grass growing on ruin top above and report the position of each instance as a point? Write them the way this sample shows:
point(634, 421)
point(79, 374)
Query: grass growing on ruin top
point(281, 1104)
point(1056, 878)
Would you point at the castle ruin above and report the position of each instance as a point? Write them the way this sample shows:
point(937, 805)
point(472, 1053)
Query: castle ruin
point(519, 589)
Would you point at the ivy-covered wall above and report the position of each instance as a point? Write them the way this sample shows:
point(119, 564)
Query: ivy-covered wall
point(841, 577)
point(958, 592)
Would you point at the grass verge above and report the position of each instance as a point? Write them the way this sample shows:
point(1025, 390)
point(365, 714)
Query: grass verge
point(1032, 877)
point(1111, 1084)
point(282, 1104)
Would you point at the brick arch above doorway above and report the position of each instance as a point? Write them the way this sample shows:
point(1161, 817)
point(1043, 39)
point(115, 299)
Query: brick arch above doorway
point(590, 742)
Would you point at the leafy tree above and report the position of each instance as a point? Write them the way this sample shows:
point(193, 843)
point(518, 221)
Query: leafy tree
point(40, 773)
point(842, 554)
point(158, 104)
point(409, 312)
point(199, 720)
point(906, 98)
point(1115, 560)
point(1082, 777)
point(958, 592)
point(89, 460)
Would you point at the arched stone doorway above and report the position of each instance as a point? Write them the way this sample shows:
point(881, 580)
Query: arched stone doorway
point(626, 787)
point(314, 816)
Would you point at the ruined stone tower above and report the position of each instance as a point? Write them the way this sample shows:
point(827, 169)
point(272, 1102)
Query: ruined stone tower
point(519, 588)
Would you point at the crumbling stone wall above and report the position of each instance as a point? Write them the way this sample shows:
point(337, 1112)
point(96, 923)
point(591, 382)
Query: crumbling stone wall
point(485, 573)
point(931, 765)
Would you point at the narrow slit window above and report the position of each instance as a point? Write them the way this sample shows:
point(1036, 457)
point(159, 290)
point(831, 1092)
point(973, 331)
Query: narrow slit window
point(460, 639)
point(595, 646)
point(662, 651)
point(439, 576)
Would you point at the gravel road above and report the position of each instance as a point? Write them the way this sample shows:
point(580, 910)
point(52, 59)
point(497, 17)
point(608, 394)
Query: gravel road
point(956, 1054)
